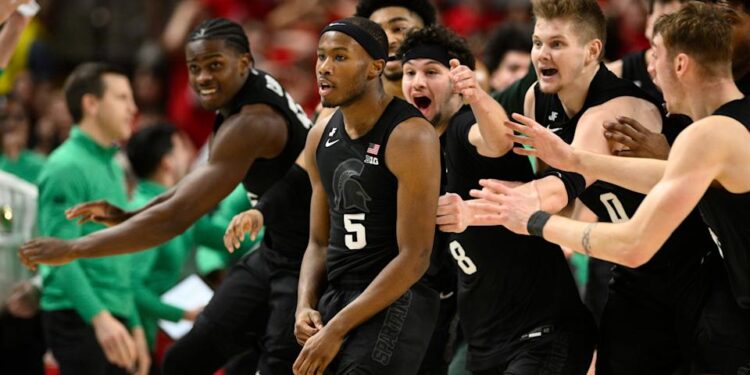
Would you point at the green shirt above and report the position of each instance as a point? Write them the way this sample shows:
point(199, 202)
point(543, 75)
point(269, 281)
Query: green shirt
point(158, 269)
point(207, 259)
point(27, 166)
point(79, 171)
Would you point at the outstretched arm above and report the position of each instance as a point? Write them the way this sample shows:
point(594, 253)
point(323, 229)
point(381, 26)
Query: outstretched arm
point(688, 176)
point(234, 152)
point(631, 173)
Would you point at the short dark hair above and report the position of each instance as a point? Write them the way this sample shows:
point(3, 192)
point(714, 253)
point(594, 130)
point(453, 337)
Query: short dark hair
point(453, 43)
point(651, 3)
point(86, 79)
point(148, 146)
point(423, 8)
point(511, 36)
point(230, 32)
point(371, 28)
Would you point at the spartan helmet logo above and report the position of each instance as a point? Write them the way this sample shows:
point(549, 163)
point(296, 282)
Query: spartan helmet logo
point(348, 192)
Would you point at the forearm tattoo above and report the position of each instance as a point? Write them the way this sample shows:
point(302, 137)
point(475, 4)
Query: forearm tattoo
point(586, 239)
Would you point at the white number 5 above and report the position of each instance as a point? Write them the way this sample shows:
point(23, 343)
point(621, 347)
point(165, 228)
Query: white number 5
point(355, 236)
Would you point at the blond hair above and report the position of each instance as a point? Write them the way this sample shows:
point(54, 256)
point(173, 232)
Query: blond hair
point(585, 13)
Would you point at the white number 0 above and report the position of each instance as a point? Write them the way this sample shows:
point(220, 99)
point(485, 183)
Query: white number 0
point(614, 208)
point(355, 236)
point(464, 262)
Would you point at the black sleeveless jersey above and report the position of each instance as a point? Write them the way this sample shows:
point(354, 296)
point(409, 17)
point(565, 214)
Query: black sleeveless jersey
point(290, 236)
point(676, 263)
point(634, 69)
point(728, 216)
point(508, 284)
point(441, 275)
point(744, 84)
point(362, 196)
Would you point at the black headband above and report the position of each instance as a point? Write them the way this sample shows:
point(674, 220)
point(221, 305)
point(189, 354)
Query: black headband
point(428, 51)
point(367, 41)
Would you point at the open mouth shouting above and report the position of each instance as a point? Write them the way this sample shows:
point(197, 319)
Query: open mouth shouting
point(324, 87)
point(548, 72)
point(422, 103)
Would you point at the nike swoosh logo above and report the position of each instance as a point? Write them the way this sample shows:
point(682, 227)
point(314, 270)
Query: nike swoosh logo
point(554, 130)
point(446, 295)
point(329, 143)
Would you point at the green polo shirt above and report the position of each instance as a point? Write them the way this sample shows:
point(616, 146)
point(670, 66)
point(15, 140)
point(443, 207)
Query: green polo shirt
point(27, 166)
point(207, 259)
point(79, 171)
point(158, 269)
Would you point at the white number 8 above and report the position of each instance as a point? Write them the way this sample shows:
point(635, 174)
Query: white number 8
point(464, 262)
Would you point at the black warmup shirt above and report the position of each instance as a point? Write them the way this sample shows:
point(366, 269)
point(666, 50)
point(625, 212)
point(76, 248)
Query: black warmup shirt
point(362, 196)
point(674, 268)
point(290, 235)
point(728, 216)
point(509, 284)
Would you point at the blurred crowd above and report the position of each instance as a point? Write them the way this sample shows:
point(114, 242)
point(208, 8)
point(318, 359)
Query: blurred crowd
point(146, 39)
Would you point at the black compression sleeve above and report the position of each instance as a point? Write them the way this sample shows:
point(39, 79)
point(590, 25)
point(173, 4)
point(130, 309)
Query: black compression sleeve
point(574, 183)
point(280, 198)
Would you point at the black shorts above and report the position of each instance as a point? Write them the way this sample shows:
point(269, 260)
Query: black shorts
point(723, 333)
point(637, 338)
point(392, 342)
point(648, 324)
point(253, 308)
point(546, 351)
point(75, 347)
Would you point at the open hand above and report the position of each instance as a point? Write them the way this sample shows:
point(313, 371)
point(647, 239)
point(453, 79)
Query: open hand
point(546, 145)
point(101, 212)
point(501, 204)
point(52, 251)
point(115, 340)
point(250, 221)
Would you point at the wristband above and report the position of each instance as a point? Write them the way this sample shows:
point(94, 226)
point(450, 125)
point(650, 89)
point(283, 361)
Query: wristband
point(536, 223)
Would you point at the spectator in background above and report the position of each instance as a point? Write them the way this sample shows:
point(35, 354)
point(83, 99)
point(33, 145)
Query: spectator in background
point(21, 339)
point(396, 18)
point(16, 158)
point(508, 55)
point(10, 35)
point(87, 304)
point(160, 158)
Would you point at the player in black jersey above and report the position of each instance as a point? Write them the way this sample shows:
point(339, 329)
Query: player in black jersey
point(708, 167)
point(374, 170)
point(519, 308)
point(575, 94)
point(259, 133)
point(640, 142)
point(634, 66)
point(396, 17)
